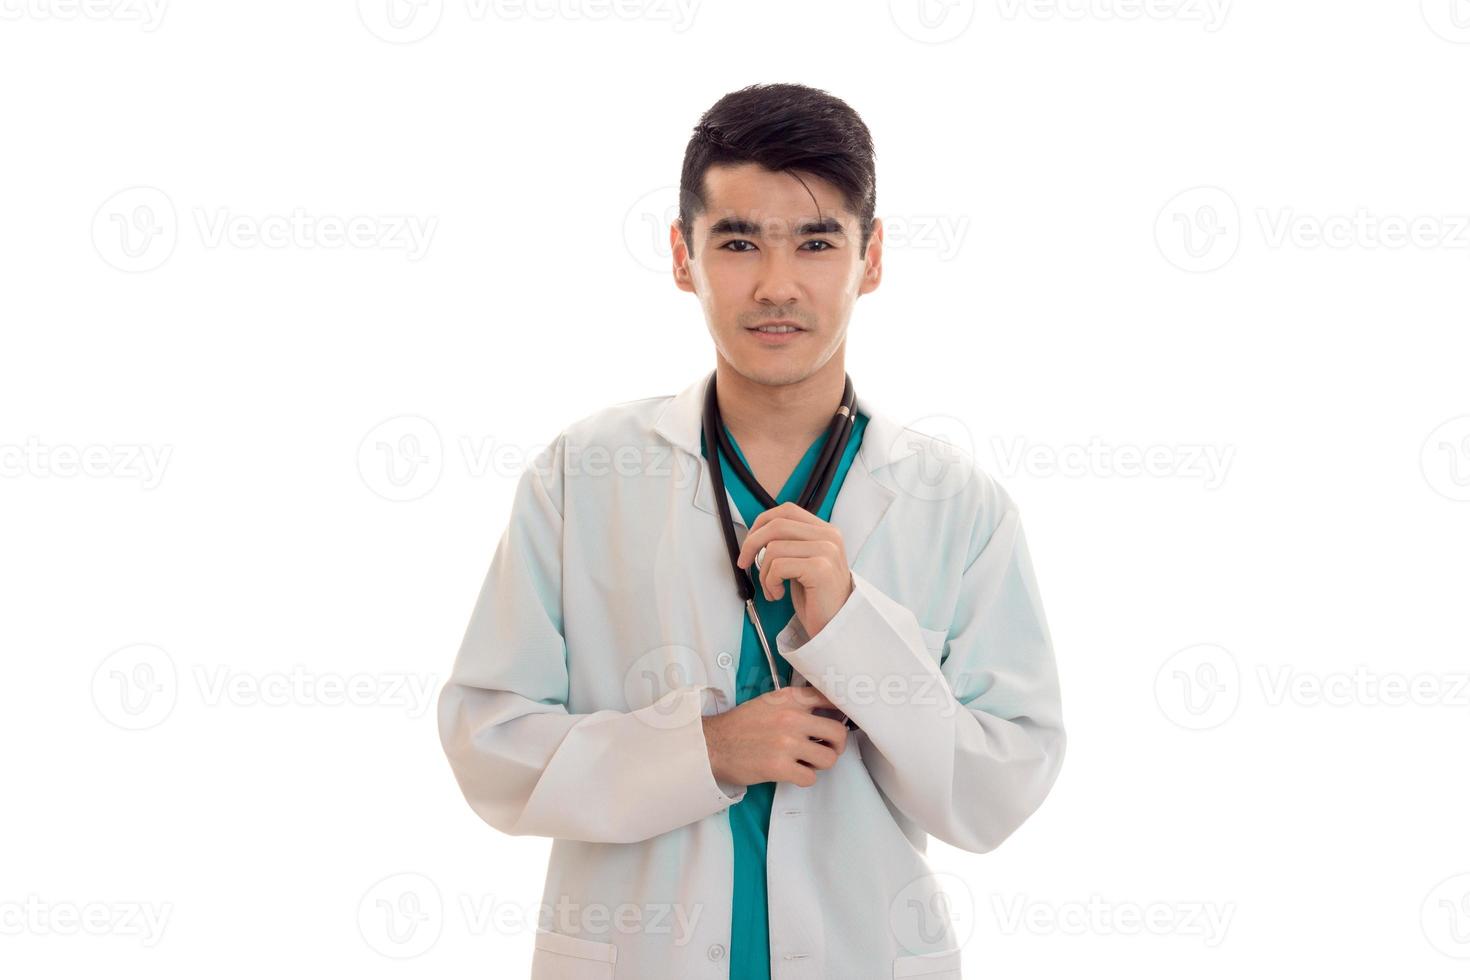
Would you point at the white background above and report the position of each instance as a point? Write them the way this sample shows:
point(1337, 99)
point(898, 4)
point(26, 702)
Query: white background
point(1176, 230)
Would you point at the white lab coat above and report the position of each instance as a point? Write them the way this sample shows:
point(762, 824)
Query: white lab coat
point(609, 623)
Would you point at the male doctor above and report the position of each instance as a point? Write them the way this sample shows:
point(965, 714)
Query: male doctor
point(719, 812)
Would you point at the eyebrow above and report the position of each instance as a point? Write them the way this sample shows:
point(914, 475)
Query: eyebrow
point(749, 229)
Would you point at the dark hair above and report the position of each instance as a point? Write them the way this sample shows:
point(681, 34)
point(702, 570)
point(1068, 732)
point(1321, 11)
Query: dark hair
point(782, 127)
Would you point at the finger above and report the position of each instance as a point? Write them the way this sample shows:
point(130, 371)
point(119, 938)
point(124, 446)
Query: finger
point(761, 534)
point(798, 773)
point(817, 755)
point(790, 509)
point(808, 698)
point(804, 570)
point(832, 732)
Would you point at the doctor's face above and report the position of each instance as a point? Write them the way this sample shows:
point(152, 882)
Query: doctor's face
point(764, 251)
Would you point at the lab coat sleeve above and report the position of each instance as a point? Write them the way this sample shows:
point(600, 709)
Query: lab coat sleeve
point(968, 743)
point(525, 764)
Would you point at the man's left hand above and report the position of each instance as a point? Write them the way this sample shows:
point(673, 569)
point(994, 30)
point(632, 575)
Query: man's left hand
point(807, 551)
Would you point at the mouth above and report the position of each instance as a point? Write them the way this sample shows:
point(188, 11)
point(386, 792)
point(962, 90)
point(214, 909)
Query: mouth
point(776, 332)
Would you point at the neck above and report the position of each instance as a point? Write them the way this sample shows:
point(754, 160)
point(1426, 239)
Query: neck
point(790, 416)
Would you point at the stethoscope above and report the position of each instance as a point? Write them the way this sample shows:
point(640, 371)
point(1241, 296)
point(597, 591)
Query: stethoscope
point(717, 442)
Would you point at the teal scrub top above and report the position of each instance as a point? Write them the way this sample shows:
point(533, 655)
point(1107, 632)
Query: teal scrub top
point(750, 819)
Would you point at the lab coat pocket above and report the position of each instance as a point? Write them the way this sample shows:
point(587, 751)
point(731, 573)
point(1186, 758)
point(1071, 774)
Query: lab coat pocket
point(562, 957)
point(930, 966)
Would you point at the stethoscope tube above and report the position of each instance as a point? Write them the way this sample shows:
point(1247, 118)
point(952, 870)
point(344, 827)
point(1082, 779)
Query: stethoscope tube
point(717, 443)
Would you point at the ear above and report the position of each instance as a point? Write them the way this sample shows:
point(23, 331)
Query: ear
point(873, 260)
point(683, 276)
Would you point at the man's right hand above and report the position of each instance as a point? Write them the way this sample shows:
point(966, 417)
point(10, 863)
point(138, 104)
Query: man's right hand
point(770, 738)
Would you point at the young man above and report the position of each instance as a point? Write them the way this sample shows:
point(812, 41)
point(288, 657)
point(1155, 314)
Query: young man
point(616, 693)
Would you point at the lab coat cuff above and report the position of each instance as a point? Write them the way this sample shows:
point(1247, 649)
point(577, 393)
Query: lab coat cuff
point(870, 654)
point(711, 701)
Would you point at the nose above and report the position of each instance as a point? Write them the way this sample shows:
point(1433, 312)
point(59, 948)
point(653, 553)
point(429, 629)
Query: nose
point(777, 284)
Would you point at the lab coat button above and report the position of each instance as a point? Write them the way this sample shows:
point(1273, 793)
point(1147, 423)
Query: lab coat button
point(724, 659)
point(716, 952)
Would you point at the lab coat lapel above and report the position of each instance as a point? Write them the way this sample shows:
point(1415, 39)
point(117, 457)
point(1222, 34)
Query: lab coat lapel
point(863, 498)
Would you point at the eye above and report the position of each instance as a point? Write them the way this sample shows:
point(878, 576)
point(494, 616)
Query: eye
point(826, 246)
point(736, 241)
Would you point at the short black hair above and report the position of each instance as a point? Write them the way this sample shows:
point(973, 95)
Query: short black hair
point(782, 127)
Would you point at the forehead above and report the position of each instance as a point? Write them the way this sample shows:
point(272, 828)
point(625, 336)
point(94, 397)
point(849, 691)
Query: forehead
point(750, 191)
